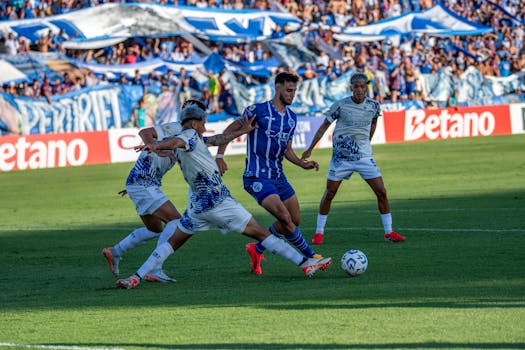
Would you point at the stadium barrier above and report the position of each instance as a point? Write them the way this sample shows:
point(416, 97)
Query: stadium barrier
point(117, 145)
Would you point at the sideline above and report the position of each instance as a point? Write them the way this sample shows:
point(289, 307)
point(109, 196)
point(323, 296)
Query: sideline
point(57, 347)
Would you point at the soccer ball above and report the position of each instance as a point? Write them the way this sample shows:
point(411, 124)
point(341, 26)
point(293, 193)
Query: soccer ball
point(354, 262)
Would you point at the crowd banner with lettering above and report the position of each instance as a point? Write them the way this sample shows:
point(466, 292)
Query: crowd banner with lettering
point(101, 107)
point(100, 26)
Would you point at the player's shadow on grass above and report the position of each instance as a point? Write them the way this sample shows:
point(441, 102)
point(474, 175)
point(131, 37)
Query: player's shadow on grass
point(475, 267)
point(265, 346)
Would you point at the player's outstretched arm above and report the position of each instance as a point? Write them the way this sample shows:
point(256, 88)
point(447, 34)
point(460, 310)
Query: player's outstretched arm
point(318, 135)
point(246, 125)
point(158, 147)
point(148, 135)
point(293, 158)
point(219, 159)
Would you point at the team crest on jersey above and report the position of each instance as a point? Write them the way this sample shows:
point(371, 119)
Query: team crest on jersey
point(257, 187)
point(251, 108)
point(291, 123)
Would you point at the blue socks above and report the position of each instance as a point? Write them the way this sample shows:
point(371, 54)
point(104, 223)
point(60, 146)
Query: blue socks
point(296, 238)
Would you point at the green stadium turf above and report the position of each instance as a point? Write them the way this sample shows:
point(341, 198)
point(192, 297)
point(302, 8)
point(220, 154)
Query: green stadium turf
point(458, 282)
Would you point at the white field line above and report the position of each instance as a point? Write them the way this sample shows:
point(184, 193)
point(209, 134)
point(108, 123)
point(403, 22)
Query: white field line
point(55, 347)
point(347, 228)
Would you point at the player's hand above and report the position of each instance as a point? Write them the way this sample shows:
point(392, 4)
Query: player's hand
point(221, 164)
point(150, 147)
point(306, 155)
point(123, 192)
point(247, 124)
point(310, 164)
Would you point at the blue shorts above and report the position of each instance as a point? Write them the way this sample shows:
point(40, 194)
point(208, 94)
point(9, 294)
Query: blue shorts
point(262, 188)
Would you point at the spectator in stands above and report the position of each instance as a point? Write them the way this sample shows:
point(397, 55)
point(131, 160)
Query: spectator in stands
point(35, 89)
point(28, 11)
point(46, 90)
point(214, 87)
point(11, 44)
point(139, 114)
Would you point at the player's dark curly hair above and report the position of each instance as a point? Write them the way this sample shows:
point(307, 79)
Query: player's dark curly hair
point(285, 76)
point(358, 77)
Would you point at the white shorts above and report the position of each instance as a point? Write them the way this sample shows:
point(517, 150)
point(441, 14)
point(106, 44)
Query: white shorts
point(366, 167)
point(229, 215)
point(146, 199)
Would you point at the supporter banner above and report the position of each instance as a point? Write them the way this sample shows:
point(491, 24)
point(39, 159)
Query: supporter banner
point(95, 27)
point(433, 124)
point(472, 87)
point(53, 150)
point(98, 108)
point(437, 20)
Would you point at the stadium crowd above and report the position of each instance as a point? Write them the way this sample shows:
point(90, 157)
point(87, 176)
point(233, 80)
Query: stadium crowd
point(393, 68)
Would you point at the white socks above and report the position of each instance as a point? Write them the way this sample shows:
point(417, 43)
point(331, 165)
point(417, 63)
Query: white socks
point(134, 239)
point(321, 223)
point(387, 222)
point(279, 247)
point(169, 230)
point(156, 259)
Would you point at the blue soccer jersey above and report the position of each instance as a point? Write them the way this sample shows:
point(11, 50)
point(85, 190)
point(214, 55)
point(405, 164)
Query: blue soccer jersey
point(266, 145)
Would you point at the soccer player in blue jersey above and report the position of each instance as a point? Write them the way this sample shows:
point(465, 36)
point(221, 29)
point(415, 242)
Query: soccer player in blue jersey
point(154, 208)
point(209, 200)
point(263, 177)
point(356, 119)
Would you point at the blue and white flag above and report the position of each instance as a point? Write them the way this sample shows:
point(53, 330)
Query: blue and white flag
point(436, 21)
point(108, 24)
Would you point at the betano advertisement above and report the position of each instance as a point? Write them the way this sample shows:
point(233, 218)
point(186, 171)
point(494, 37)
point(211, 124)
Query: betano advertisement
point(113, 146)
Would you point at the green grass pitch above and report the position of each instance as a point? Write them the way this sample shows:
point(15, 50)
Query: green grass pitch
point(458, 282)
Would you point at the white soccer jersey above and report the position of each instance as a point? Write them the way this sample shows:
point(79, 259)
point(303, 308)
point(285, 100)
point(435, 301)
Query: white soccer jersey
point(201, 173)
point(149, 167)
point(351, 139)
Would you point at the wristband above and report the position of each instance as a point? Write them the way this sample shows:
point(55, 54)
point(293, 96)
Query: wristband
point(218, 156)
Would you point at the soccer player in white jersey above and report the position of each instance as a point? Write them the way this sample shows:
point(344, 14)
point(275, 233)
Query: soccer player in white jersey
point(356, 119)
point(209, 200)
point(264, 178)
point(154, 208)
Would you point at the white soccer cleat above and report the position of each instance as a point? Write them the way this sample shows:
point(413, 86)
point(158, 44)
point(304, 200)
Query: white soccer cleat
point(159, 276)
point(112, 260)
point(311, 265)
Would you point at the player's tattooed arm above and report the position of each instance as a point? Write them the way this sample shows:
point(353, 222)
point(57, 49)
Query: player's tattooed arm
point(225, 138)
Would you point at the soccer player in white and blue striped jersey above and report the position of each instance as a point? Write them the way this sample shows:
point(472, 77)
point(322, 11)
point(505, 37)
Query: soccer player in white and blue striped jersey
point(264, 179)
